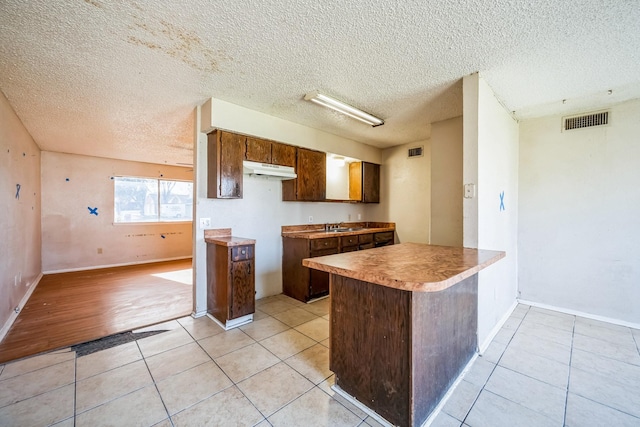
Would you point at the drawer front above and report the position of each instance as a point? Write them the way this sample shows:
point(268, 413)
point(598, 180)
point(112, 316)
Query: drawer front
point(323, 252)
point(365, 238)
point(348, 241)
point(240, 253)
point(383, 237)
point(349, 248)
point(367, 246)
point(321, 244)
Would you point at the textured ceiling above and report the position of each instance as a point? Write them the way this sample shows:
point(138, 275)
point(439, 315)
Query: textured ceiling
point(121, 79)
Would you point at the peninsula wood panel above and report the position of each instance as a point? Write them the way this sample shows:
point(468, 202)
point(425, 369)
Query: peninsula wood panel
point(370, 327)
point(399, 351)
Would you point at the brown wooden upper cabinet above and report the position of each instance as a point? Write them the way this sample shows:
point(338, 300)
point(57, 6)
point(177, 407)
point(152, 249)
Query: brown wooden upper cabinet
point(271, 152)
point(364, 182)
point(225, 153)
point(311, 183)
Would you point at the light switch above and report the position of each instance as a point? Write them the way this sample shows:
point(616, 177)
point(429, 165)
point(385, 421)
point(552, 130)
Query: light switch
point(205, 222)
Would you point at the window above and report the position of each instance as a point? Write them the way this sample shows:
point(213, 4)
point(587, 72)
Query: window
point(152, 200)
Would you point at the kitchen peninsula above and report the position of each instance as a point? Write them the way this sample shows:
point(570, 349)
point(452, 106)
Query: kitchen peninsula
point(403, 323)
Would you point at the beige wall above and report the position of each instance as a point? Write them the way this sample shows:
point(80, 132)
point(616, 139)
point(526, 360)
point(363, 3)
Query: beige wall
point(405, 192)
point(491, 163)
point(579, 215)
point(71, 236)
point(20, 261)
point(446, 182)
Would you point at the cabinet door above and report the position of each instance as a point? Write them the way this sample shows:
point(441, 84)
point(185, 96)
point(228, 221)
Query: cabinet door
point(312, 175)
point(242, 289)
point(225, 152)
point(319, 280)
point(258, 150)
point(370, 183)
point(355, 181)
point(283, 154)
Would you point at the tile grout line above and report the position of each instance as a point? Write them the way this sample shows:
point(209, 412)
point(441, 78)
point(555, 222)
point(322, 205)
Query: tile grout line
point(566, 398)
point(234, 384)
point(493, 370)
point(144, 359)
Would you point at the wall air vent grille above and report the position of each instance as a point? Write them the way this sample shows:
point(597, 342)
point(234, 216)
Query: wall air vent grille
point(416, 152)
point(586, 120)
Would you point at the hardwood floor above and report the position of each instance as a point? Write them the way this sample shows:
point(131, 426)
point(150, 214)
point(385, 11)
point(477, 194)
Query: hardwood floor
point(71, 308)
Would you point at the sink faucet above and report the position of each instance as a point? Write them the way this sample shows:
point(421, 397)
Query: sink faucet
point(334, 226)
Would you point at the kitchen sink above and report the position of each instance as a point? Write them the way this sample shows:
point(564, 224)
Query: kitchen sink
point(342, 230)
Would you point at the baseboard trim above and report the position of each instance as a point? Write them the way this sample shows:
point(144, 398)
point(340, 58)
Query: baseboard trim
point(485, 344)
point(581, 314)
point(125, 264)
point(21, 304)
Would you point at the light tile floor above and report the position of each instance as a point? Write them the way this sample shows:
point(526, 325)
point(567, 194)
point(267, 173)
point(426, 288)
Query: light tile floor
point(544, 368)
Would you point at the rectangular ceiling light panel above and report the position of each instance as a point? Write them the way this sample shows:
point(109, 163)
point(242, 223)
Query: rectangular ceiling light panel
point(341, 107)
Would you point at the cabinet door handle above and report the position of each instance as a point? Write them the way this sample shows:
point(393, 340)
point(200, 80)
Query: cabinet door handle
point(248, 268)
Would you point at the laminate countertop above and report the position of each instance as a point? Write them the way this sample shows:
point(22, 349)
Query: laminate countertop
point(223, 237)
point(408, 266)
point(316, 231)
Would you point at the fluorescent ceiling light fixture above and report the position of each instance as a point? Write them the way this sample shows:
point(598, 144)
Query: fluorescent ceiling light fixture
point(343, 108)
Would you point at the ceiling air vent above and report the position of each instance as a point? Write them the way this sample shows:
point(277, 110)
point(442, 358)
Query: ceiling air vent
point(415, 152)
point(586, 120)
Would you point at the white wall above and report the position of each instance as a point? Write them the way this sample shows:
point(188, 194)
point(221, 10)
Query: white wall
point(580, 215)
point(446, 182)
point(337, 180)
point(405, 186)
point(71, 236)
point(261, 213)
point(20, 261)
point(497, 226)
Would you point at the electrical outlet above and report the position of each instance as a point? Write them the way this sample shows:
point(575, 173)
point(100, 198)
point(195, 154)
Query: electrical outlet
point(310, 219)
point(349, 217)
point(205, 222)
point(359, 217)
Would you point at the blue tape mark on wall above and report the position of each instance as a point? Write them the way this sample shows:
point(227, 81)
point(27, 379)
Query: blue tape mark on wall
point(163, 236)
point(93, 211)
point(66, 179)
point(18, 186)
point(502, 208)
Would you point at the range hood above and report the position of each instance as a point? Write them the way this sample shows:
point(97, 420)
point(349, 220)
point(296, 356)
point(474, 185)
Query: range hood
point(269, 171)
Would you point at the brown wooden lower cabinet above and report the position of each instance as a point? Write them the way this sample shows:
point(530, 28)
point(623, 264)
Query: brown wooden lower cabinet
point(300, 282)
point(230, 283)
point(398, 351)
point(305, 284)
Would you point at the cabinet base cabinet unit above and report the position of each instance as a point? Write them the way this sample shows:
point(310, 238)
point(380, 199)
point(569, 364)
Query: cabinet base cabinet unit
point(231, 283)
point(306, 284)
point(301, 282)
